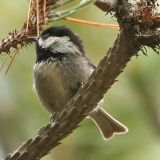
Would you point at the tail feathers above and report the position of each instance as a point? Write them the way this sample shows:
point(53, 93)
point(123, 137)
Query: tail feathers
point(108, 125)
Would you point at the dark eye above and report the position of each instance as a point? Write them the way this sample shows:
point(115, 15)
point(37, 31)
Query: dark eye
point(45, 36)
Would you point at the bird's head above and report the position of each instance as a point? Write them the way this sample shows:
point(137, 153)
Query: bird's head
point(58, 40)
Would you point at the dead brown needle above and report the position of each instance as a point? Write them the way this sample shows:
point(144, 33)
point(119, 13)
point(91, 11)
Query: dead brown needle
point(44, 12)
point(37, 16)
point(28, 16)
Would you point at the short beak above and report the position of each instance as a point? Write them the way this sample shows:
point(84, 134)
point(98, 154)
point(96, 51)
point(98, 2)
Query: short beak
point(32, 39)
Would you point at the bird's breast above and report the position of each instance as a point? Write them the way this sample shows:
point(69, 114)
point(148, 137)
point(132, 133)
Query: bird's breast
point(55, 84)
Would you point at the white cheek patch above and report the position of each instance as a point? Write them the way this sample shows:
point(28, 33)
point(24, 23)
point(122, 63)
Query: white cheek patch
point(47, 42)
point(52, 41)
point(59, 44)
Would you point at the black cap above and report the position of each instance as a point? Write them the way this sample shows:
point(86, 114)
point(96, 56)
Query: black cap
point(61, 31)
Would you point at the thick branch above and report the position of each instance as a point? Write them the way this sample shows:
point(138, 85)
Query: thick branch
point(88, 96)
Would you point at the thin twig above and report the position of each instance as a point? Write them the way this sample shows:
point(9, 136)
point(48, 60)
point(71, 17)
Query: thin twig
point(12, 59)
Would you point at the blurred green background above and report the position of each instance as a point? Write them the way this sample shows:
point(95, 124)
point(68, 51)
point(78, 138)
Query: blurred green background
point(134, 99)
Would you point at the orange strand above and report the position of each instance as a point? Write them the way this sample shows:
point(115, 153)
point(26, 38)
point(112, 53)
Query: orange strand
point(90, 23)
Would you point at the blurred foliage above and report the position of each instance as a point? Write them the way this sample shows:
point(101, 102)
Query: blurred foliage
point(130, 100)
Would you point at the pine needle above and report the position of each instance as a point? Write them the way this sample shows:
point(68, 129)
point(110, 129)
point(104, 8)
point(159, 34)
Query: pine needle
point(90, 23)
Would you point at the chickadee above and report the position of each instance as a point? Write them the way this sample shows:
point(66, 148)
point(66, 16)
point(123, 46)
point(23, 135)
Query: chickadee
point(60, 69)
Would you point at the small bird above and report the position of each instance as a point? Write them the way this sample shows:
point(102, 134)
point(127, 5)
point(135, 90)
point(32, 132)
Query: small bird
point(60, 68)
